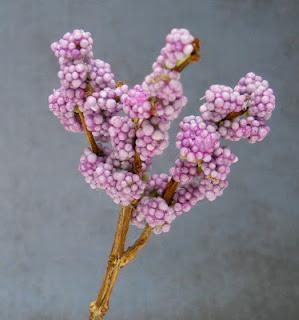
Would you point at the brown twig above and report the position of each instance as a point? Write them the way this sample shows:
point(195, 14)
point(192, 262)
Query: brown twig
point(232, 115)
point(100, 306)
point(170, 190)
point(132, 251)
point(89, 137)
point(119, 258)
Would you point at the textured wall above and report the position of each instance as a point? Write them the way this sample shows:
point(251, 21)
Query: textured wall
point(236, 258)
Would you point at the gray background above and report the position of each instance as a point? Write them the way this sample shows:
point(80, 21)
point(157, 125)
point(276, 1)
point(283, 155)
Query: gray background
point(233, 259)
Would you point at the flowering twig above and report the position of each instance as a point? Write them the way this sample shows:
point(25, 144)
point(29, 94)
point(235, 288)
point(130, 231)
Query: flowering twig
point(118, 259)
point(203, 165)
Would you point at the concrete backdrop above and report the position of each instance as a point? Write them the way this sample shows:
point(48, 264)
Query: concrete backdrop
point(234, 259)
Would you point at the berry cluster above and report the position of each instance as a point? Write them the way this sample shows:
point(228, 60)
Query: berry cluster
point(155, 212)
point(63, 107)
point(228, 113)
point(220, 101)
point(179, 47)
point(90, 100)
point(73, 46)
point(197, 139)
point(87, 85)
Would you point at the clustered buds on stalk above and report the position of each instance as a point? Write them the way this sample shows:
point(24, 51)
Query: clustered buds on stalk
point(90, 100)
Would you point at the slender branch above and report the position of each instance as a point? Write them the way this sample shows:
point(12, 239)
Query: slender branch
point(89, 137)
point(231, 116)
point(100, 306)
point(132, 251)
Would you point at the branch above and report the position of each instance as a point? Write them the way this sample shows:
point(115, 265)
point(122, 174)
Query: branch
point(132, 251)
point(89, 137)
point(170, 190)
point(100, 306)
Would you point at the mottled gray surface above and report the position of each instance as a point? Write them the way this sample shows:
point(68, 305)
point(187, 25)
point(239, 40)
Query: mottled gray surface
point(234, 259)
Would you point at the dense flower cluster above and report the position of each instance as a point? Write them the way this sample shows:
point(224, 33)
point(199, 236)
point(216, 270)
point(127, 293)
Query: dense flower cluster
point(136, 103)
point(244, 127)
point(152, 137)
point(227, 113)
point(89, 91)
point(64, 109)
point(179, 46)
point(75, 45)
point(155, 212)
point(122, 132)
point(101, 75)
point(220, 101)
point(197, 139)
point(219, 166)
point(124, 187)
point(87, 84)
point(184, 171)
point(187, 196)
point(156, 184)
point(89, 163)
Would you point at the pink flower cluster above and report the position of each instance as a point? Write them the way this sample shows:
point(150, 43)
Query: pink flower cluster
point(179, 46)
point(197, 139)
point(228, 113)
point(220, 101)
point(78, 74)
point(73, 46)
point(64, 109)
point(88, 89)
point(155, 212)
